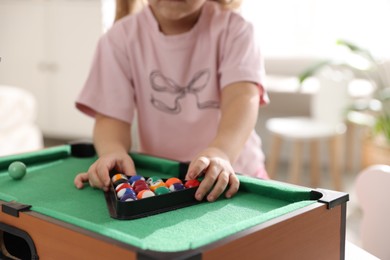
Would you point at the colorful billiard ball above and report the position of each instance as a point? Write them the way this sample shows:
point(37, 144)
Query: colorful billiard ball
point(157, 184)
point(145, 194)
point(118, 176)
point(139, 182)
point(171, 181)
point(17, 170)
point(123, 186)
point(192, 183)
point(136, 178)
point(176, 187)
point(128, 197)
point(161, 190)
point(119, 182)
point(140, 188)
point(124, 191)
point(153, 179)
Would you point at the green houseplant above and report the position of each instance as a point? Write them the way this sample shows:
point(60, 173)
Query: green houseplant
point(363, 64)
point(373, 112)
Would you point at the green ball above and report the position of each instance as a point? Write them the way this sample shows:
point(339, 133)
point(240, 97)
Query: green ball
point(153, 179)
point(161, 190)
point(17, 170)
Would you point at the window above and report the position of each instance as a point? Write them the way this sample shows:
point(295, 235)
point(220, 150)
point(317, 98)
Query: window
point(108, 13)
point(311, 27)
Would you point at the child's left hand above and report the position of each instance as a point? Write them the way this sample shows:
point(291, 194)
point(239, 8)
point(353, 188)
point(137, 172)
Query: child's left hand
point(214, 165)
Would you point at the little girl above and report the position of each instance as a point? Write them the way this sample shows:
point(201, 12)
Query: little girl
point(192, 72)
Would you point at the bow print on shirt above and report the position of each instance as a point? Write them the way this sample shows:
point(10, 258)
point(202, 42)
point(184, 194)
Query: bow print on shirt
point(161, 83)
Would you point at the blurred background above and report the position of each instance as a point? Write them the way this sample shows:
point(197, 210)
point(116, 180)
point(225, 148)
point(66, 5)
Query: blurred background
point(46, 48)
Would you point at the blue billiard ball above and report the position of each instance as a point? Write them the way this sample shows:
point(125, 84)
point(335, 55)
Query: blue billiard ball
point(136, 178)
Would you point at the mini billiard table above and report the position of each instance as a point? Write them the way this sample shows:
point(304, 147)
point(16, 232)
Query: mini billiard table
point(44, 216)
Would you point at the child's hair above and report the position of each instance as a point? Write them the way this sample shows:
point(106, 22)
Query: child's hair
point(125, 7)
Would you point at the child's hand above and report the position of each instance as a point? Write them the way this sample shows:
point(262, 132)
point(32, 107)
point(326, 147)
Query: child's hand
point(218, 174)
point(98, 173)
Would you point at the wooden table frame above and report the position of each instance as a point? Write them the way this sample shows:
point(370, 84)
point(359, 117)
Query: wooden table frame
point(313, 232)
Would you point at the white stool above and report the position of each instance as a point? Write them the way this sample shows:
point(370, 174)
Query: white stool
point(326, 123)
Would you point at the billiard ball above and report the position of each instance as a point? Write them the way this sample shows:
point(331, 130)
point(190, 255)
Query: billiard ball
point(136, 178)
point(119, 182)
point(157, 184)
point(123, 186)
point(153, 179)
point(171, 181)
point(176, 187)
point(138, 182)
point(192, 183)
point(118, 176)
point(124, 191)
point(145, 194)
point(128, 197)
point(140, 188)
point(17, 170)
point(161, 190)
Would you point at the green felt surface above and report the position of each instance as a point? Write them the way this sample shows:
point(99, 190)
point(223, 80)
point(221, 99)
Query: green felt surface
point(48, 187)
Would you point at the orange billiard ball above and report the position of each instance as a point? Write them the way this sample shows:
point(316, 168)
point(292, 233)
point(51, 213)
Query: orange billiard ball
point(145, 194)
point(157, 184)
point(171, 181)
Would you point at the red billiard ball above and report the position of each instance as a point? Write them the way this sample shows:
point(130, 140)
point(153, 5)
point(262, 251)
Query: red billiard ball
point(141, 187)
point(139, 182)
point(123, 186)
point(192, 183)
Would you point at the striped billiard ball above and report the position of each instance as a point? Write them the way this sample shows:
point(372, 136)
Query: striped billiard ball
point(145, 194)
point(176, 187)
point(171, 181)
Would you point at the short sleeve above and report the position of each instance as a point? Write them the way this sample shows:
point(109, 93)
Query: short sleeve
point(241, 59)
point(108, 89)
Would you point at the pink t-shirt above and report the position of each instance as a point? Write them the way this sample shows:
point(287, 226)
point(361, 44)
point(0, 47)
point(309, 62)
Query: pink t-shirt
point(174, 82)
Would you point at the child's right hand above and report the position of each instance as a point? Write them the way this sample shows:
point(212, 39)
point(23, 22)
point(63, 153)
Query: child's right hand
point(98, 173)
